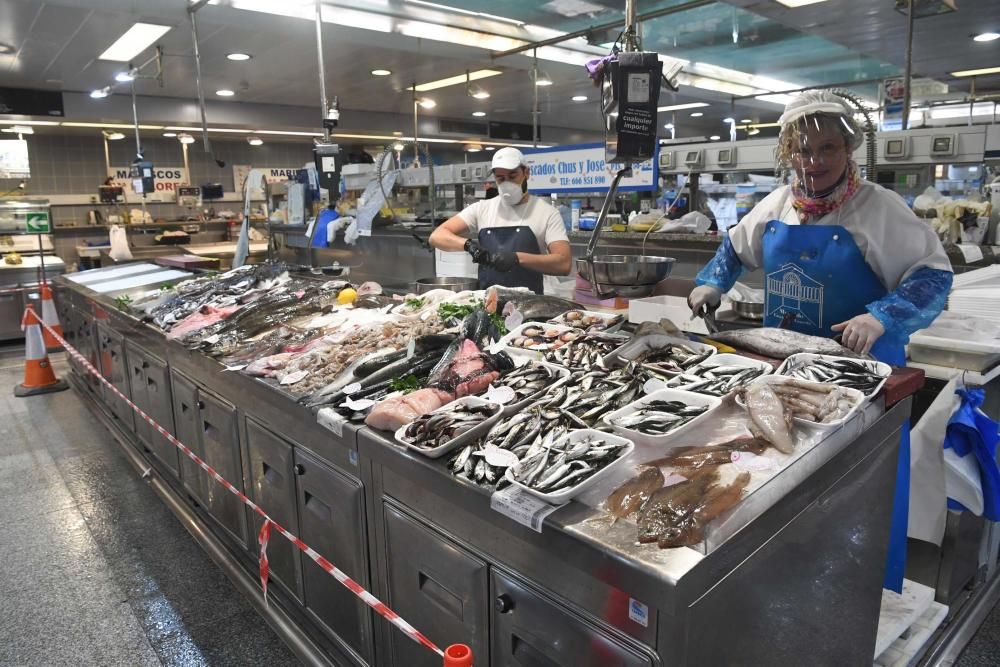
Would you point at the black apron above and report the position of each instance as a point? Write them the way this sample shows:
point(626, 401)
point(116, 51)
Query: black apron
point(509, 239)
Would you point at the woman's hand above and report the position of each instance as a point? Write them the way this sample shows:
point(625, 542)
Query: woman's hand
point(860, 333)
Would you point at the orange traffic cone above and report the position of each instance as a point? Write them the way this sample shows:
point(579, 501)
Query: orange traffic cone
point(458, 655)
point(39, 378)
point(50, 317)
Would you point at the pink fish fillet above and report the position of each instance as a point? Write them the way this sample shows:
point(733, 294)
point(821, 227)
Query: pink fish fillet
point(200, 319)
point(392, 413)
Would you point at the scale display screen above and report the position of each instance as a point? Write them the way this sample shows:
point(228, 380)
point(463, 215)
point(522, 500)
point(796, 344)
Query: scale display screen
point(941, 145)
point(14, 159)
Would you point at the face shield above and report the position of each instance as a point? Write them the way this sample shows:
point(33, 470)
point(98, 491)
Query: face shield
point(817, 139)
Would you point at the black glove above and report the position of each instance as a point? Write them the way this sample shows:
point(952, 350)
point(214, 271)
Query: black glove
point(479, 256)
point(503, 261)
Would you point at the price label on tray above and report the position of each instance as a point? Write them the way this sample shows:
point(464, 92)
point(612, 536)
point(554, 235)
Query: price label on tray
point(359, 405)
point(522, 507)
point(352, 388)
point(501, 395)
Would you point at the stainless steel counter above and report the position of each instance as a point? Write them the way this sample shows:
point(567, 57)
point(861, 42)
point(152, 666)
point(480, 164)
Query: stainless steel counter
point(794, 578)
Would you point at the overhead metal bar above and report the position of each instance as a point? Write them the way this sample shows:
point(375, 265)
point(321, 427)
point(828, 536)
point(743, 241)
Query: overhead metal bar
point(822, 86)
point(192, 9)
point(618, 23)
point(324, 105)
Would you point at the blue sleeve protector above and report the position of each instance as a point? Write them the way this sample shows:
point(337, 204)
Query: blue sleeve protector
point(914, 304)
point(723, 270)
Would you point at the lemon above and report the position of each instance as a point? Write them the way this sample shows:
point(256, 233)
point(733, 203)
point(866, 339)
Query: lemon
point(346, 296)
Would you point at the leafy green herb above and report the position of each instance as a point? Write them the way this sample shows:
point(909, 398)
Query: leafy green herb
point(499, 323)
point(451, 311)
point(415, 303)
point(405, 384)
point(122, 302)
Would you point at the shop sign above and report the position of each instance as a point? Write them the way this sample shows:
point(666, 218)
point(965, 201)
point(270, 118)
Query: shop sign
point(582, 168)
point(166, 181)
point(893, 92)
point(271, 174)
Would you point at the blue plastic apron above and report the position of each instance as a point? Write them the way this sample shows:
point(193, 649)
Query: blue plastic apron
point(818, 274)
point(326, 216)
point(519, 238)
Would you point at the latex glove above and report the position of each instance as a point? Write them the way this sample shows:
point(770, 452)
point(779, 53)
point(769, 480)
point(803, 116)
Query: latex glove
point(704, 296)
point(503, 261)
point(479, 256)
point(860, 333)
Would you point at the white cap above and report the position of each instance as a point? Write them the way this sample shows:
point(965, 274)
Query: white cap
point(826, 102)
point(508, 158)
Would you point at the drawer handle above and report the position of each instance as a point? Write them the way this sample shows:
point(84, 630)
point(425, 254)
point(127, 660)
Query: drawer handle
point(441, 595)
point(201, 405)
point(210, 430)
point(145, 364)
point(503, 603)
point(317, 506)
point(299, 469)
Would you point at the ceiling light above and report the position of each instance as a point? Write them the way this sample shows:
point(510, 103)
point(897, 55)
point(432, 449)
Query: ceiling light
point(426, 103)
point(746, 120)
point(542, 79)
point(185, 138)
point(124, 77)
point(668, 126)
point(113, 136)
point(986, 36)
point(478, 92)
point(255, 141)
point(170, 135)
point(753, 131)
point(29, 122)
point(6, 48)
point(113, 126)
point(101, 92)
point(455, 80)
point(19, 129)
point(579, 98)
point(478, 114)
point(491, 148)
point(474, 149)
point(239, 56)
point(961, 111)
point(397, 134)
point(678, 107)
point(398, 146)
point(715, 137)
point(977, 72)
point(697, 114)
point(289, 133)
point(135, 40)
point(798, 3)
point(381, 72)
point(225, 92)
point(728, 120)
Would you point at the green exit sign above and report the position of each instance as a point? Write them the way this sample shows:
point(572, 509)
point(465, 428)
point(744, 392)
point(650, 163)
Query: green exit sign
point(38, 223)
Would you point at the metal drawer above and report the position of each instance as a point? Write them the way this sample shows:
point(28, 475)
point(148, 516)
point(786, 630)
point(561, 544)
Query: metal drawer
point(113, 367)
point(159, 407)
point(184, 397)
point(221, 443)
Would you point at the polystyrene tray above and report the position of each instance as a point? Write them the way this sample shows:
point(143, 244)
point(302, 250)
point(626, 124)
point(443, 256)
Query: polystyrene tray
point(725, 359)
point(462, 439)
point(822, 426)
point(535, 352)
point(688, 397)
point(565, 495)
point(604, 316)
point(558, 374)
point(614, 359)
point(882, 369)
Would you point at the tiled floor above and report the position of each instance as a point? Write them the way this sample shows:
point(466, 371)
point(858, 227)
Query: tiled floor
point(96, 569)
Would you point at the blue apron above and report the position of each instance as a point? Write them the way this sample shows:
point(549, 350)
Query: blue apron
point(519, 238)
point(817, 275)
point(323, 220)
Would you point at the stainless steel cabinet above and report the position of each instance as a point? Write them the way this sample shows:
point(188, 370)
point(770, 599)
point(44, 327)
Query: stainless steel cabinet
point(440, 586)
point(331, 521)
point(150, 384)
point(111, 348)
point(530, 630)
point(184, 397)
point(221, 444)
point(11, 311)
point(271, 484)
point(85, 336)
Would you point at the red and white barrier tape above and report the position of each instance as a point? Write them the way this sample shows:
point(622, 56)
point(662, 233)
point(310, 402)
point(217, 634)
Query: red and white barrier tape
point(269, 523)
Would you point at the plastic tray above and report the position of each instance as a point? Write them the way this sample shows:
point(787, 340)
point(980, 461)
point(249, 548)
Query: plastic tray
point(614, 360)
point(565, 495)
point(462, 439)
point(537, 352)
point(882, 369)
point(821, 426)
point(725, 359)
point(972, 360)
point(595, 313)
point(688, 397)
point(558, 375)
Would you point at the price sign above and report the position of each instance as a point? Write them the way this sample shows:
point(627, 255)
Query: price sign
point(522, 507)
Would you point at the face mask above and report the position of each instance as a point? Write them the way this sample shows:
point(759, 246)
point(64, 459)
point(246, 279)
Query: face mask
point(510, 192)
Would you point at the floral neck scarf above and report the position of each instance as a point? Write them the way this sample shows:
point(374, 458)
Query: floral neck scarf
point(816, 207)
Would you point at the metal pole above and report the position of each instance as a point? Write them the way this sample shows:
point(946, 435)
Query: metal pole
point(187, 166)
point(630, 44)
point(322, 69)
point(694, 4)
point(416, 146)
point(197, 78)
point(107, 154)
point(138, 147)
point(972, 99)
point(534, 104)
point(909, 65)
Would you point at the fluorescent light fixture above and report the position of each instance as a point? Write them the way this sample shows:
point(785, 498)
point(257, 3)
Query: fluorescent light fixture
point(185, 138)
point(6, 49)
point(170, 135)
point(455, 80)
point(113, 126)
point(986, 36)
point(961, 111)
point(746, 120)
point(799, 3)
point(238, 56)
point(478, 114)
point(715, 137)
point(753, 131)
point(492, 17)
point(426, 103)
point(114, 136)
point(977, 72)
point(29, 122)
point(473, 149)
point(490, 148)
point(255, 141)
point(678, 107)
point(579, 98)
point(135, 40)
point(697, 114)
point(19, 129)
point(225, 92)
point(398, 146)
point(478, 92)
point(101, 93)
point(124, 77)
point(381, 72)
point(289, 133)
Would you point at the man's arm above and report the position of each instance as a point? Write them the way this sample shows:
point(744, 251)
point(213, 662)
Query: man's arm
point(450, 235)
point(556, 263)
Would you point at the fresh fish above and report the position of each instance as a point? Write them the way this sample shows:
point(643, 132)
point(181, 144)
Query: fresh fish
point(715, 380)
point(780, 343)
point(670, 506)
point(630, 496)
point(699, 456)
point(558, 466)
point(860, 375)
point(688, 525)
point(660, 417)
point(534, 307)
point(441, 426)
point(768, 416)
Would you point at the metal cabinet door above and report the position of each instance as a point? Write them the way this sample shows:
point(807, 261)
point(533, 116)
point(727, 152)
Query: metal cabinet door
point(111, 346)
point(332, 521)
point(221, 443)
point(272, 486)
point(159, 407)
point(531, 630)
point(137, 363)
point(441, 588)
point(187, 426)
point(87, 348)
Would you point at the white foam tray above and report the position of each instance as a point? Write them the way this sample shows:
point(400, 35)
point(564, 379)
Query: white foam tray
point(882, 369)
point(462, 439)
point(662, 441)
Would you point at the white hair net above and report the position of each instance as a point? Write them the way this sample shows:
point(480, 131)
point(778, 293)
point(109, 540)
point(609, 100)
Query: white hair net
point(827, 103)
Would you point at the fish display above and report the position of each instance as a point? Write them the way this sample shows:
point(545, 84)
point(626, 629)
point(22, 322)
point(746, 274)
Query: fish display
point(769, 418)
point(861, 375)
point(659, 417)
point(627, 499)
point(557, 466)
point(675, 516)
point(543, 338)
point(667, 355)
point(584, 351)
point(780, 343)
point(392, 413)
point(715, 380)
point(591, 322)
point(534, 307)
point(694, 457)
point(527, 380)
point(814, 401)
point(437, 428)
